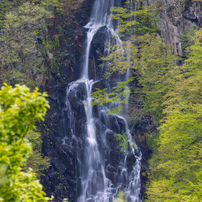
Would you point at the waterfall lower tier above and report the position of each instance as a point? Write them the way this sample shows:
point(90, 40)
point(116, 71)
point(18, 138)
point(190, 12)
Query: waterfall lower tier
point(103, 170)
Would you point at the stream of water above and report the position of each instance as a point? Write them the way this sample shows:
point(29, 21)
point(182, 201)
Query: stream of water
point(103, 172)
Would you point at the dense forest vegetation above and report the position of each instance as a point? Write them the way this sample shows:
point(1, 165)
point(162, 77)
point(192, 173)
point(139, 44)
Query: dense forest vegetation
point(167, 94)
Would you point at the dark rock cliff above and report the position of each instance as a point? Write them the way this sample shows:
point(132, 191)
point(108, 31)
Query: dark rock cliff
point(176, 16)
point(59, 179)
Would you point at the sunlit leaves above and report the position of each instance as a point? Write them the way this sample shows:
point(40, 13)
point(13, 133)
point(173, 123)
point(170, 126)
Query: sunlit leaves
point(18, 36)
point(36, 161)
point(119, 59)
point(176, 168)
point(138, 26)
point(20, 109)
point(124, 142)
point(120, 197)
point(118, 95)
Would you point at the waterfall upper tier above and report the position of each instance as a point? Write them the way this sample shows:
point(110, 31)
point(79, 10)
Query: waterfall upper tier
point(100, 17)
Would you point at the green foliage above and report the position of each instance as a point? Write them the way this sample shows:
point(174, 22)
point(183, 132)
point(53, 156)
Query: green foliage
point(123, 142)
point(65, 200)
point(186, 40)
point(176, 168)
point(31, 33)
point(143, 21)
point(118, 60)
point(36, 161)
point(24, 187)
point(145, 53)
point(152, 139)
point(14, 76)
point(6, 6)
point(152, 63)
point(115, 110)
point(19, 110)
point(20, 55)
point(120, 197)
point(118, 95)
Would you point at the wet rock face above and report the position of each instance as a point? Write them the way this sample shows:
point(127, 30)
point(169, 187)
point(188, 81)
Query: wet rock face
point(176, 16)
point(60, 178)
point(63, 140)
point(96, 52)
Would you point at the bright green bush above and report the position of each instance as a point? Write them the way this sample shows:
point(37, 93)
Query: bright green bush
point(19, 111)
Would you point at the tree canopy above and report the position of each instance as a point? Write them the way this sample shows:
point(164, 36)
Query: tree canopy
point(19, 111)
point(175, 168)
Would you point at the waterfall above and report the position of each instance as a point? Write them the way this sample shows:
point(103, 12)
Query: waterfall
point(103, 170)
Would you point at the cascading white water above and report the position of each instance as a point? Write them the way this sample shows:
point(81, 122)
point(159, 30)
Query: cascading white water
point(96, 184)
point(99, 18)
